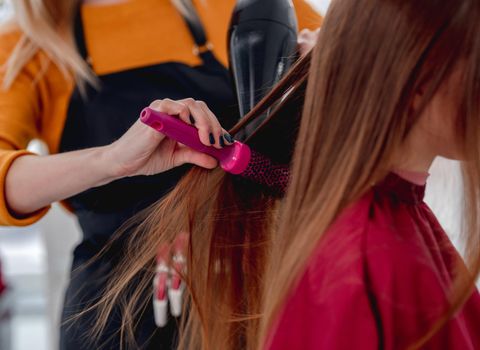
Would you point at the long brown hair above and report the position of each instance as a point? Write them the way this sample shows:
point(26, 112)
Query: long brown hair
point(246, 246)
point(229, 221)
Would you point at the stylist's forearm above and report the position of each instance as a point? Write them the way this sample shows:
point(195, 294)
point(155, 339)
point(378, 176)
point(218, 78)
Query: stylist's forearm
point(34, 182)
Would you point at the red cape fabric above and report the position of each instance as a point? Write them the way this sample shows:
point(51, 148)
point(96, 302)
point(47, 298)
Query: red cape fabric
point(379, 279)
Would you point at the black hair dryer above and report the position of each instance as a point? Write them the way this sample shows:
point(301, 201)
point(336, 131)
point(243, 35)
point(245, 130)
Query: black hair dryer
point(262, 45)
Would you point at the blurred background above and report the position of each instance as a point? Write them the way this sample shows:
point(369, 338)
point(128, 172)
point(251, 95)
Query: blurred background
point(35, 260)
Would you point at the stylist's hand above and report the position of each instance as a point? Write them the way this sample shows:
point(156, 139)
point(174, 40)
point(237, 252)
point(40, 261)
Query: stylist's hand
point(307, 40)
point(144, 151)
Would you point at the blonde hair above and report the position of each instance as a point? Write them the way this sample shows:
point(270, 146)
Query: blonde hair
point(47, 26)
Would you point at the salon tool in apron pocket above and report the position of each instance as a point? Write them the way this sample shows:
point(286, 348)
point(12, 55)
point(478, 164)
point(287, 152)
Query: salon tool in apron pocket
point(179, 266)
point(160, 286)
point(168, 285)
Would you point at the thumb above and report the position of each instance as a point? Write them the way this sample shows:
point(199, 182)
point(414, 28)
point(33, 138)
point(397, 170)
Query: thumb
point(185, 155)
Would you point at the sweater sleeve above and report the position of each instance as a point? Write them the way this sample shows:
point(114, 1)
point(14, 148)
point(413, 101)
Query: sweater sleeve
point(19, 120)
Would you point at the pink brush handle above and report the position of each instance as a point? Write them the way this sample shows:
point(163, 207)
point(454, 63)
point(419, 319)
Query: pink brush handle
point(233, 159)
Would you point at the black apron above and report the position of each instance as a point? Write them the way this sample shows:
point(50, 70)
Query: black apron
point(98, 119)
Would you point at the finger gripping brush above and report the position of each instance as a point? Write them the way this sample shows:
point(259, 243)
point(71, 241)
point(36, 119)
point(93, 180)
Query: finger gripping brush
point(237, 159)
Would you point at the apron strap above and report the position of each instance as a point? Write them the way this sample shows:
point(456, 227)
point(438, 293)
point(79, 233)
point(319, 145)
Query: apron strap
point(194, 24)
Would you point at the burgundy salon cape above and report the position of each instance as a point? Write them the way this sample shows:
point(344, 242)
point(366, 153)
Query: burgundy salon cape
point(378, 280)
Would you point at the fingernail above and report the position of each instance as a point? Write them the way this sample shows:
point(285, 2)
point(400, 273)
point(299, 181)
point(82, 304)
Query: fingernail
point(222, 141)
point(212, 139)
point(228, 137)
point(192, 120)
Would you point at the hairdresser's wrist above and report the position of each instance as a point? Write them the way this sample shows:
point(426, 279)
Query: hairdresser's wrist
point(106, 167)
point(123, 159)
